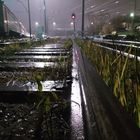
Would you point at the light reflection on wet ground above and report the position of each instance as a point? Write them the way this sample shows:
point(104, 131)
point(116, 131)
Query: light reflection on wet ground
point(42, 53)
point(27, 64)
point(38, 60)
point(25, 57)
point(32, 86)
point(35, 57)
point(76, 108)
point(44, 50)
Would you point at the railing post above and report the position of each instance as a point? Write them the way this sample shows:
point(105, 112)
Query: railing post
point(29, 16)
point(83, 16)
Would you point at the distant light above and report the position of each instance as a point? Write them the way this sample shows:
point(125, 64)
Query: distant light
point(116, 1)
point(71, 23)
point(54, 23)
point(91, 23)
point(114, 32)
point(5, 21)
point(92, 6)
point(44, 36)
point(36, 23)
point(73, 16)
point(117, 12)
point(102, 10)
point(132, 14)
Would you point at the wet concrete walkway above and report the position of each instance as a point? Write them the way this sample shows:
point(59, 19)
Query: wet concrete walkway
point(77, 120)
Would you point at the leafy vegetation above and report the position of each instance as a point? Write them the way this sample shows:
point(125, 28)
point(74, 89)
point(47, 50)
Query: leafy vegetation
point(10, 49)
point(120, 73)
point(53, 106)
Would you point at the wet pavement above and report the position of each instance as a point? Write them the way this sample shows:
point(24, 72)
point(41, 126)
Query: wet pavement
point(77, 120)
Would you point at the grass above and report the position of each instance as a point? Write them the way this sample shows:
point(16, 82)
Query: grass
point(120, 73)
point(10, 49)
point(53, 106)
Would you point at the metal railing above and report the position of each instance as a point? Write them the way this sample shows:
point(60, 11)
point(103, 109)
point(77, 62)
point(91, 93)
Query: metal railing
point(105, 117)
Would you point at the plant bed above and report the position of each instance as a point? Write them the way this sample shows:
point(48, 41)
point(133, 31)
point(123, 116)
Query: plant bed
point(119, 72)
point(36, 114)
point(39, 115)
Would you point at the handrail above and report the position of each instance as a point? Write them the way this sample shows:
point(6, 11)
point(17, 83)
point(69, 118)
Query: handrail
point(119, 42)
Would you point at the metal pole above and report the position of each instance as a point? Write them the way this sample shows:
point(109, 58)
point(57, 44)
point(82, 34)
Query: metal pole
point(133, 19)
point(83, 16)
point(29, 16)
point(45, 18)
point(74, 26)
point(134, 13)
point(135, 6)
point(136, 51)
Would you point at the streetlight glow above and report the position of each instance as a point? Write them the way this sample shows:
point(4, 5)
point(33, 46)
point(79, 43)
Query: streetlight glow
point(71, 23)
point(116, 1)
point(132, 14)
point(36, 23)
point(54, 23)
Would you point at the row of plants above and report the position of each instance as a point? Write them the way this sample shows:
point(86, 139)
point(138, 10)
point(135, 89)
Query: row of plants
point(60, 70)
point(54, 107)
point(10, 49)
point(119, 72)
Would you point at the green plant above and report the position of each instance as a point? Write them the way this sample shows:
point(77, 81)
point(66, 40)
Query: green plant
point(68, 44)
point(53, 107)
point(119, 72)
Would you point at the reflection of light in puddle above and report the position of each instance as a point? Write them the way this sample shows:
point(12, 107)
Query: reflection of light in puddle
point(76, 108)
point(30, 64)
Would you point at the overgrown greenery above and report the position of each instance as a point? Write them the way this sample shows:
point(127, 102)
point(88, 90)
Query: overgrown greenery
point(11, 48)
point(120, 73)
point(53, 106)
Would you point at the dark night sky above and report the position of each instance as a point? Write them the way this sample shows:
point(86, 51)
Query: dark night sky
point(59, 11)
